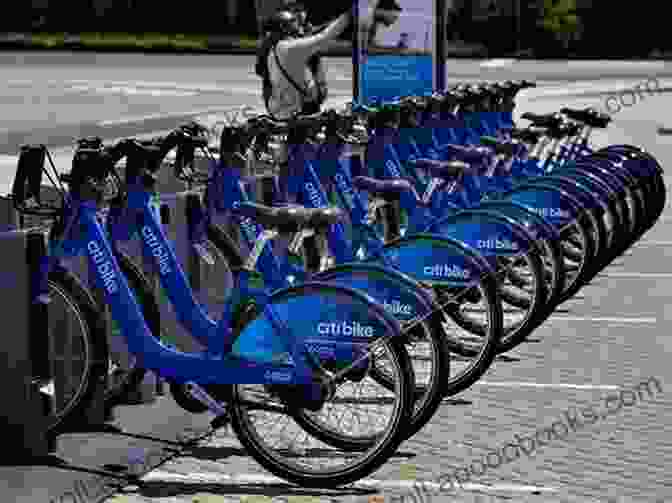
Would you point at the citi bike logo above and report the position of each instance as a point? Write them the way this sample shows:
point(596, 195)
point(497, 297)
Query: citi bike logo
point(314, 196)
point(396, 307)
point(354, 329)
point(157, 248)
point(497, 244)
point(104, 267)
point(446, 271)
point(551, 212)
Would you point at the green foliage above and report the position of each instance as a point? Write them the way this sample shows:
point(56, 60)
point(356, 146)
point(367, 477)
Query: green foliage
point(560, 16)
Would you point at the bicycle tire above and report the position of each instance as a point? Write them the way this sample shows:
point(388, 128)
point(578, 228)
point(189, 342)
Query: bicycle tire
point(78, 299)
point(386, 443)
point(479, 357)
point(576, 275)
point(549, 247)
point(428, 397)
point(594, 215)
point(533, 307)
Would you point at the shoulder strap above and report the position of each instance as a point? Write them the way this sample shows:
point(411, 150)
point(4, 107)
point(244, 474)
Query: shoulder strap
point(302, 91)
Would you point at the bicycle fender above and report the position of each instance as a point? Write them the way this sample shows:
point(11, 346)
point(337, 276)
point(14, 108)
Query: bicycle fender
point(487, 231)
point(436, 259)
point(400, 295)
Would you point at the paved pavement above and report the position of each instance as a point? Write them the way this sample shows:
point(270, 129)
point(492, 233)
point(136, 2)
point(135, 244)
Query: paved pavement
point(613, 335)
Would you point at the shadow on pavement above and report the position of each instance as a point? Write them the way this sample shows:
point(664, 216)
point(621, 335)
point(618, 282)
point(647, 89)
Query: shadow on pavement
point(159, 489)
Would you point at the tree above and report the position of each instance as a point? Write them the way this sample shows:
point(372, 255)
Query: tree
point(560, 19)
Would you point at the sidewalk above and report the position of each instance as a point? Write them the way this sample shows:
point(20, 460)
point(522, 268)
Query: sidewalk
point(163, 421)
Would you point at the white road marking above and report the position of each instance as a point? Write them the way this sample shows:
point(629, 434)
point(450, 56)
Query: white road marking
point(189, 86)
point(615, 86)
point(636, 275)
point(616, 64)
point(498, 62)
point(130, 90)
point(605, 319)
point(249, 478)
point(522, 384)
point(653, 243)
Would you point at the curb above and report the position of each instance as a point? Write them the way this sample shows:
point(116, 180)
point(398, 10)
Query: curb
point(22, 42)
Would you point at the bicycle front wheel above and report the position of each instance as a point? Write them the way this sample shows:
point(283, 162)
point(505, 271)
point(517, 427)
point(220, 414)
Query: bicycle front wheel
point(328, 444)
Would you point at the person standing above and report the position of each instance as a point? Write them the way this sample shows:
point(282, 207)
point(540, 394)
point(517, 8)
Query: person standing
point(291, 86)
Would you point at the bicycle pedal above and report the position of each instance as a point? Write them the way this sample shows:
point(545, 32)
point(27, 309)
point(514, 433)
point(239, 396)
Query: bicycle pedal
point(220, 422)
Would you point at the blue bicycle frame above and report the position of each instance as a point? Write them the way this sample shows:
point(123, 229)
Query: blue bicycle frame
point(225, 361)
point(460, 262)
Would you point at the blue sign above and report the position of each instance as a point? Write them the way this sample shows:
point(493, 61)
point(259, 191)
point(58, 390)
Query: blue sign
point(384, 77)
point(397, 48)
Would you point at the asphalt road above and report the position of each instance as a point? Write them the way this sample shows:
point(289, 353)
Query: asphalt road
point(53, 98)
point(613, 335)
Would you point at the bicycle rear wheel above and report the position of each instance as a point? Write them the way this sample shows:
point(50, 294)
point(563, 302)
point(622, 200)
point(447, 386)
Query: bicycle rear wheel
point(428, 352)
point(367, 445)
point(464, 287)
point(78, 354)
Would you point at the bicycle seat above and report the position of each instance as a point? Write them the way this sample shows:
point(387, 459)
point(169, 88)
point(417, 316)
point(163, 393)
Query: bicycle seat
point(469, 155)
point(290, 218)
point(589, 116)
point(388, 190)
point(446, 170)
point(504, 85)
point(524, 135)
point(508, 148)
point(563, 131)
point(523, 84)
point(543, 120)
point(490, 89)
point(512, 87)
point(477, 91)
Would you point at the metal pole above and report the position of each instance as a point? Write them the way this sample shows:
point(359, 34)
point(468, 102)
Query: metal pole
point(518, 25)
point(356, 60)
point(440, 45)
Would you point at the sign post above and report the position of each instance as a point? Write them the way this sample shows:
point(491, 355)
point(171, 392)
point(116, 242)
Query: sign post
point(441, 7)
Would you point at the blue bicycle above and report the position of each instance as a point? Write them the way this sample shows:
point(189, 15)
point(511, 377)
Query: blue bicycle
point(405, 299)
point(471, 313)
point(459, 287)
point(268, 371)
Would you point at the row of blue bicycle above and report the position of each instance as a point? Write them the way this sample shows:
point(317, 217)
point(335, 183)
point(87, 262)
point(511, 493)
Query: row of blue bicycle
point(402, 247)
